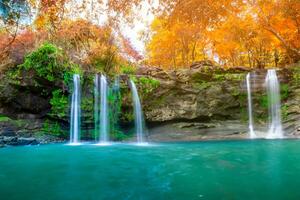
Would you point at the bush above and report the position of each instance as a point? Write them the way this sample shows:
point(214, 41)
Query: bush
point(285, 91)
point(4, 118)
point(49, 62)
point(147, 84)
point(59, 103)
point(127, 69)
point(53, 129)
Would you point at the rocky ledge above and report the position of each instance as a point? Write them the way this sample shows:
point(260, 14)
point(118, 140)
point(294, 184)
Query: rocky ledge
point(24, 134)
point(20, 141)
point(199, 103)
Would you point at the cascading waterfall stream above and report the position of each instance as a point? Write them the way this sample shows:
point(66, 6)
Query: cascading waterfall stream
point(250, 111)
point(96, 106)
point(138, 113)
point(273, 92)
point(104, 118)
point(75, 111)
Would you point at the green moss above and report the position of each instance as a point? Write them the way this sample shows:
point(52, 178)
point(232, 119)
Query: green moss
point(242, 97)
point(202, 85)
point(127, 69)
point(4, 118)
point(20, 123)
point(114, 99)
point(59, 103)
point(284, 91)
point(296, 74)
point(158, 101)
point(228, 77)
point(53, 129)
point(146, 84)
point(201, 77)
point(264, 103)
point(87, 105)
point(236, 93)
point(120, 136)
point(127, 116)
point(284, 112)
point(244, 114)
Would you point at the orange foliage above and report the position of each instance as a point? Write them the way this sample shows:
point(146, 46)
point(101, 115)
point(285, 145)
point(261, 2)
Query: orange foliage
point(50, 13)
point(129, 50)
point(234, 32)
point(24, 42)
point(253, 33)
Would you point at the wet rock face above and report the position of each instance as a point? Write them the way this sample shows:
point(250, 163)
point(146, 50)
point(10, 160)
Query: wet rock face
point(21, 141)
point(194, 131)
point(7, 131)
point(187, 95)
point(17, 141)
point(28, 98)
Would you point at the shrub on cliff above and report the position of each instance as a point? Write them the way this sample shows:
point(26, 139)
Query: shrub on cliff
point(48, 62)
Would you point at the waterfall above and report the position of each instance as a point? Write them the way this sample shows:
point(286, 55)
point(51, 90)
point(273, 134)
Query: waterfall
point(273, 92)
point(250, 112)
point(96, 106)
point(75, 111)
point(138, 113)
point(104, 117)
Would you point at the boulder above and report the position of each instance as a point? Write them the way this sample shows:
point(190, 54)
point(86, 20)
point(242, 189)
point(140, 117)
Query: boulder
point(199, 64)
point(27, 141)
point(189, 100)
point(10, 140)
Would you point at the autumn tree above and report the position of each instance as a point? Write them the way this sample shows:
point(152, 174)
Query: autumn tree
point(233, 32)
point(176, 44)
point(282, 19)
point(129, 50)
point(13, 18)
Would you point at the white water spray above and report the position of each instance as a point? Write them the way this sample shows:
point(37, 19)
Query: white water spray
point(138, 114)
point(250, 111)
point(75, 111)
point(273, 92)
point(96, 106)
point(104, 122)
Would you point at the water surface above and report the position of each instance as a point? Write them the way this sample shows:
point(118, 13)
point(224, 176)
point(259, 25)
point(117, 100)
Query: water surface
point(259, 169)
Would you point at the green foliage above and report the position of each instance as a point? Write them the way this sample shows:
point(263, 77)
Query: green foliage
point(114, 99)
point(20, 123)
point(49, 62)
point(202, 85)
point(87, 104)
point(45, 61)
point(59, 103)
point(146, 84)
point(53, 129)
point(118, 135)
point(284, 112)
point(4, 118)
point(264, 102)
point(128, 116)
point(127, 69)
point(284, 91)
point(229, 77)
point(104, 62)
point(244, 115)
point(68, 75)
point(296, 74)
point(236, 92)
